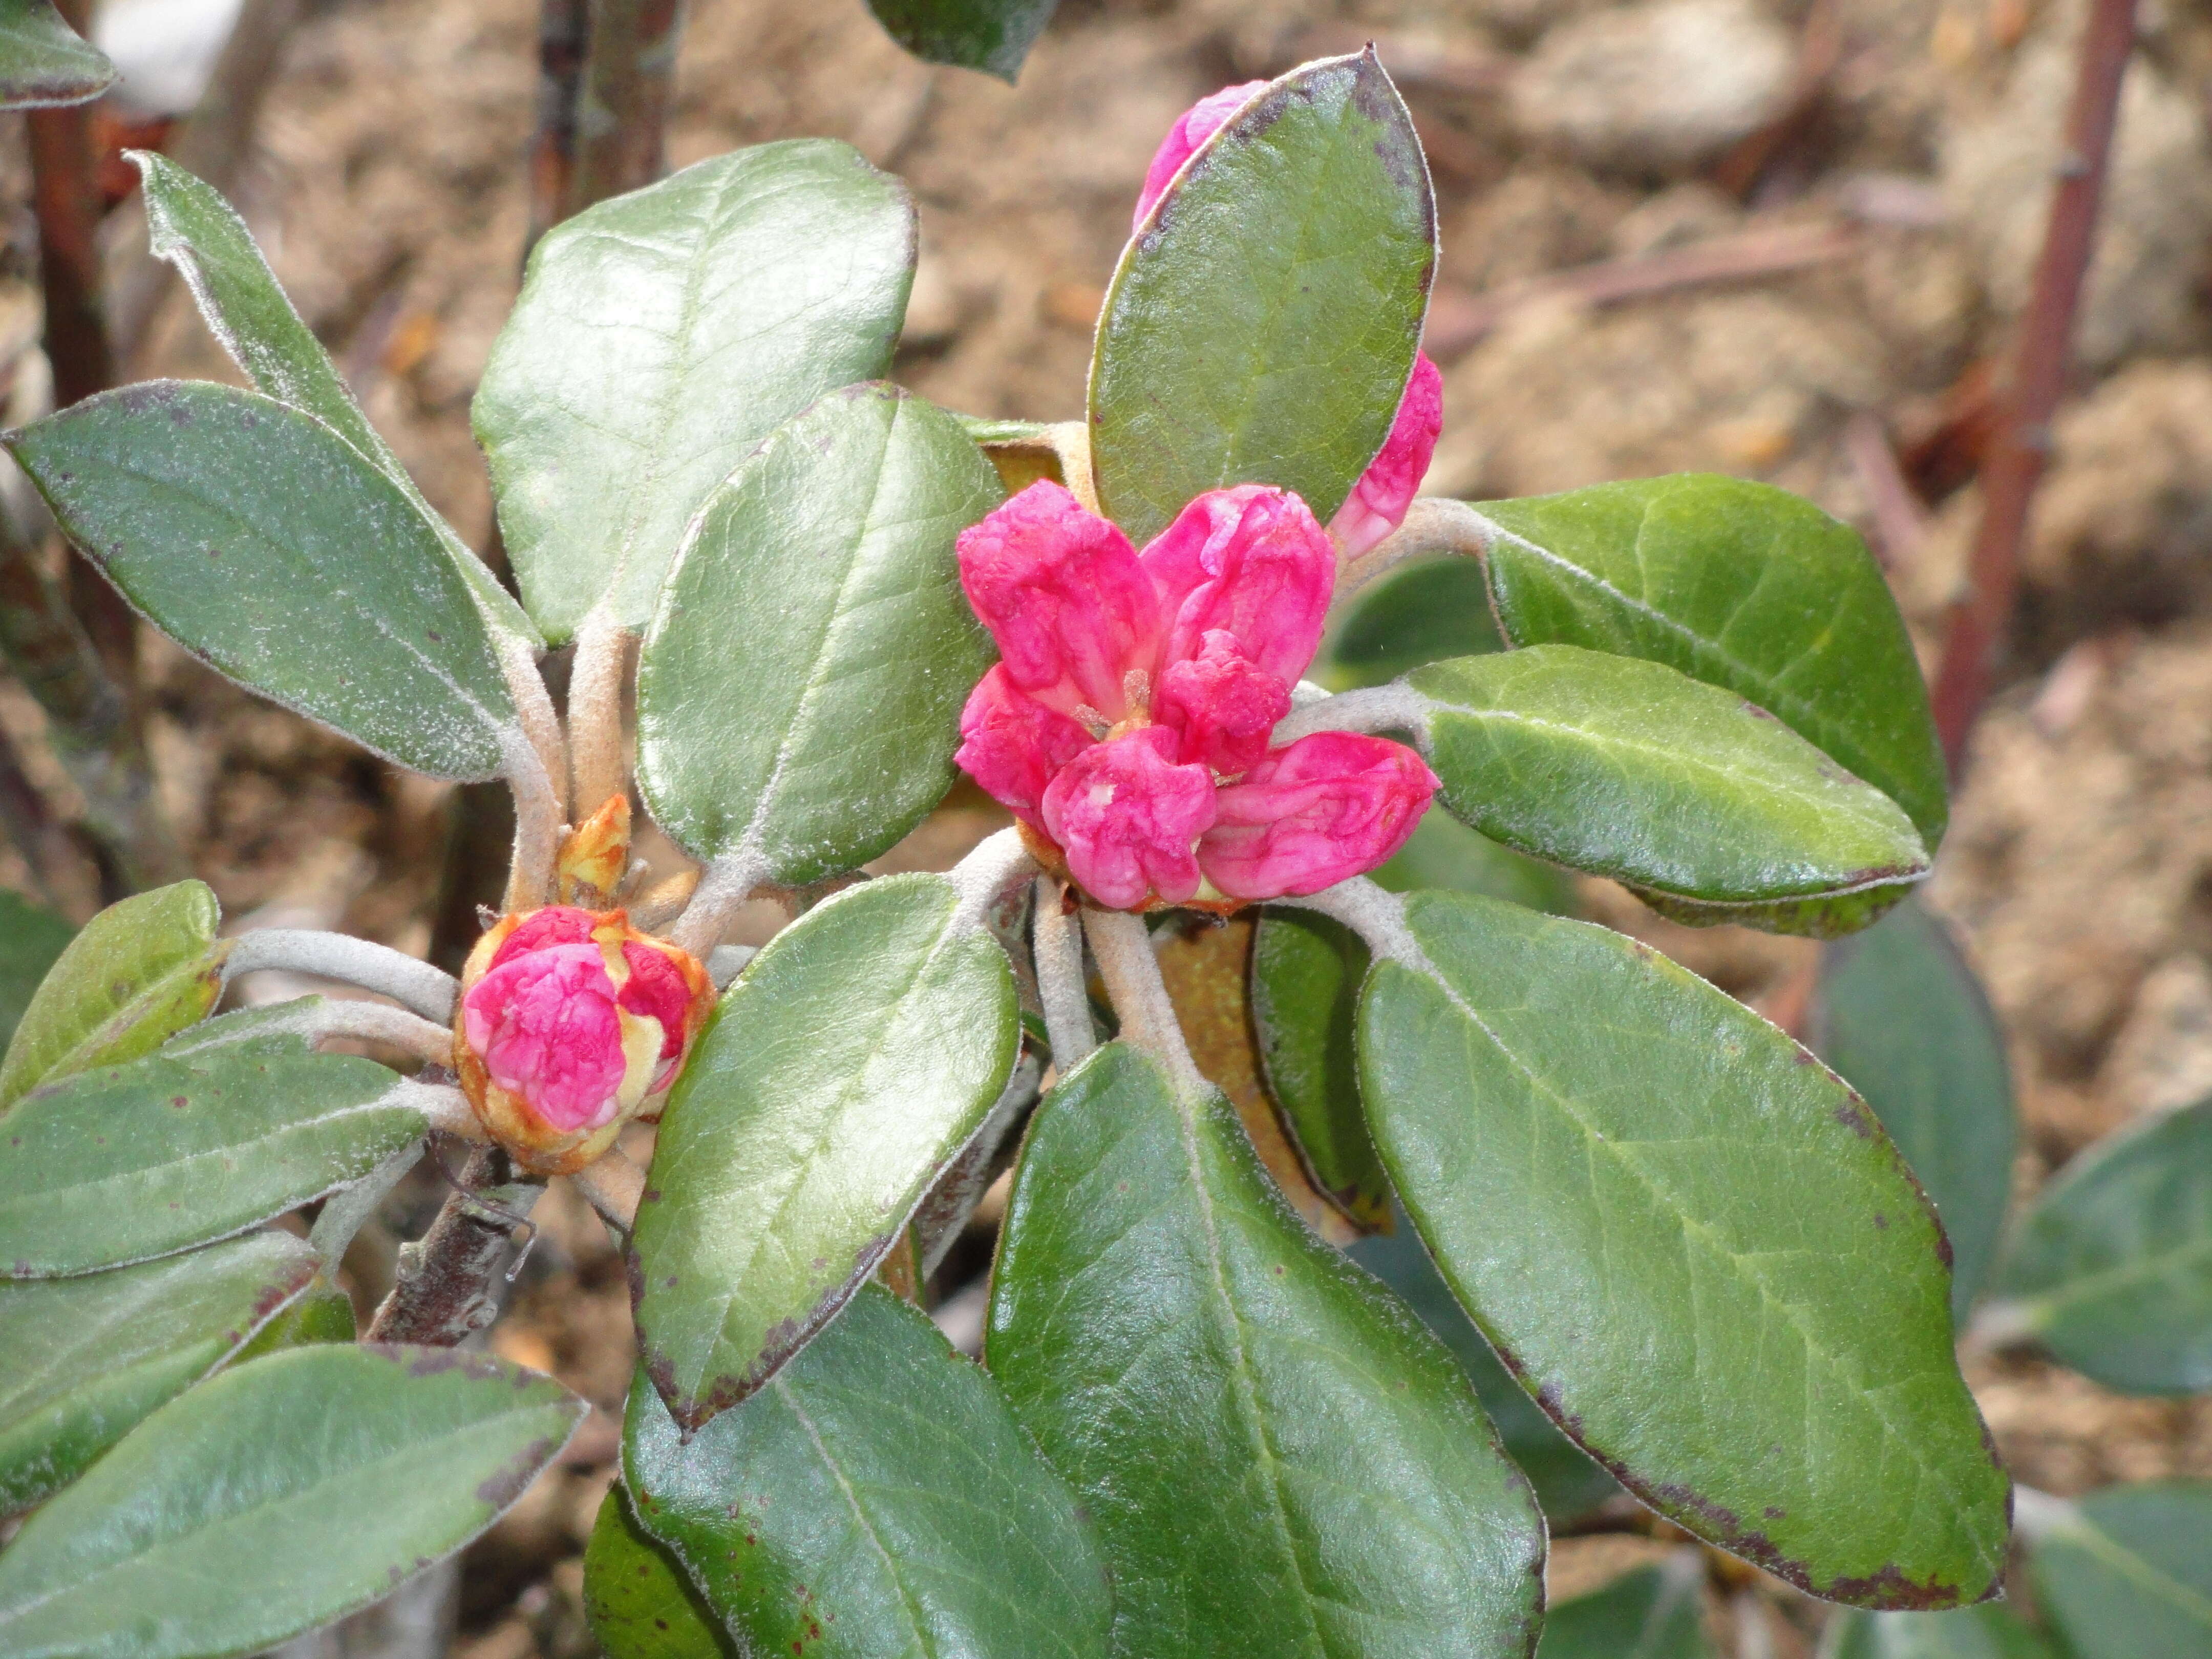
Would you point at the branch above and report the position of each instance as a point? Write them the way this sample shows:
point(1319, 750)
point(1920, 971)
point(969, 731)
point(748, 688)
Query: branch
point(1432, 524)
point(538, 819)
point(1374, 913)
point(30, 827)
point(564, 31)
point(1057, 948)
point(1070, 442)
point(444, 1290)
point(623, 111)
point(2016, 457)
point(613, 1186)
point(1124, 951)
point(428, 991)
point(993, 867)
point(595, 699)
point(1370, 708)
point(729, 881)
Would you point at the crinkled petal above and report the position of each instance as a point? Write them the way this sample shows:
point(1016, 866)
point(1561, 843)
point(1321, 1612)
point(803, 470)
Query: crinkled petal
point(1062, 594)
point(1222, 703)
point(1126, 814)
point(1378, 501)
point(1192, 128)
point(545, 1026)
point(1011, 744)
point(1251, 561)
point(557, 924)
point(1330, 806)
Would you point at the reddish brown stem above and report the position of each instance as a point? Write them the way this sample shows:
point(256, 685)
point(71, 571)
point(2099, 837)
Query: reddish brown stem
point(2017, 455)
point(446, 1287)
point(622, 113)
point(563, 38)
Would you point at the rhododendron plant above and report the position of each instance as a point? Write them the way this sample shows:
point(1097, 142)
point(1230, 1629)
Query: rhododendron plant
point(785, 1080)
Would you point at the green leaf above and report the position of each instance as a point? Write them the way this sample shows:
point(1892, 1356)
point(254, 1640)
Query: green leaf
point(1901, 1016)
point(2128, 1573)
point(89, 1357)
point(1306, 974)
point(31, 941)
point(991, 35)
point(2113, 1268)
point(1650, 1614)
point(637, 1600)
point(1262, 324)
point(1568, 1484)
point(1744, 586)
point(44, 62)
point(1424, 612)
point(799, 697)
point(862, 1047)
point(659, 337)
point(324, 1313)
point(126, 1163)
point(262, 542)
point(140, 971)
point(1989, 1632)
point(875, 1500)
point(1278, 1458)
point(1626, 768)
point(275, 1498)
point(189, 224)
point(1443, 853)
point(1692, 1243)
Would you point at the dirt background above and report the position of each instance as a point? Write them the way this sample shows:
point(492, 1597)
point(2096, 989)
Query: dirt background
point(1892, 150)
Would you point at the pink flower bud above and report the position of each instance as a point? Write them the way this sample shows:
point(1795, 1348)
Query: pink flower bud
point(1192, 128)
point(1126, 814)
point(1329, 806)
point(1223, 704)
point(1011, 744)
point(1378, 501)
point(1250, 560)
point(546, 1027)
point(1062, 594)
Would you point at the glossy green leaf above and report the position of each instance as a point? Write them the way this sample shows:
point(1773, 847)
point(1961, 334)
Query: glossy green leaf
point(189, 224)
point(1306, 974)
point(2113, 1268)
point(1262, 322)
point(43, 61)
point(1742, 585)
point(275, 1498)
point(991, 35)
point(1568, 1484)
point(89, 1357)
point(875, 1500)
point(1280, 1461)
point(637, 1600)
point(1692, 1243)
point(1626, 768)
point(799, 697)
point(1989, 1632)
point(1902, 1019)
point(1444, 854)
point(2127, 1574)
point(1426, 610)
point(125, 1162)
point(1650, 1614)
point(31, 941)
point(659, 337)
point(862, 1047)
point(263, 542)
point(139, 972)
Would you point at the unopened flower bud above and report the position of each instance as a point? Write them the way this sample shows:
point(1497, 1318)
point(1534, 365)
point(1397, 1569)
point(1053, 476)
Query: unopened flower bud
point(594, 856)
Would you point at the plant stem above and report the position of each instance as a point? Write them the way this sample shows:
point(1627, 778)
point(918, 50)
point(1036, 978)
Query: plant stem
point(427, 991)
point(2015, 463)
point(728, 883)
point(537, 829)
point(622, 111)
point(613, 1186)
point(595, 698)
point(1370, 708)
point(30, 825)
point(444, 1292)
point(1124, 950)
point(1432, 524)
point(564, 29)
point(1057, 948)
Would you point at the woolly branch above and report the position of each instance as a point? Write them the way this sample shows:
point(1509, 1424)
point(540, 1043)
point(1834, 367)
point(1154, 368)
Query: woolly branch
point(1057, 947)
point(427, 991)
point(1124, 951)
point(595, 696)
point(1372, 709)
point(1432, 524)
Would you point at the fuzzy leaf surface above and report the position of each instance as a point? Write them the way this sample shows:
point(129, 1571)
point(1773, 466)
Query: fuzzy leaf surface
point(875, 1500)
point(265, 543)
point(1280, 1461)
point(44, 62)
point(660, 336)
point(1262, 324)
point(799, 694)
point(275, 1498)
point(1694, 1245)
point(845, 1069)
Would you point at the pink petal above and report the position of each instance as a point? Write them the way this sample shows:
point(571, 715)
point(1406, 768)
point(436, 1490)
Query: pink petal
point(1127, 814)
point(1330, 806)
point(1250, 560)
point(1378, 501)
point(656, 989)
point(1224, 705)
point(1062, 594)
point(1011, 744)
point(545, 1027)
point(557, 924)
point(1192, 128)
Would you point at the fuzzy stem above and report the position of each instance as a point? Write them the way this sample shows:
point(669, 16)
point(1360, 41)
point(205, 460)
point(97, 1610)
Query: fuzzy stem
point(427, 991)
point(379, 1022)
point(1071, 441)
point(1432, 524)
point(613, 1186)
point(1124, 951)
point(595, 696)
point(444, 1290)
point(1058, 949)
point(533, 708)
point(1372, 709)
point(344, 1210)
point(564, 33)
point(538, 819)
point(728, 883)
point(1374, 913)
point(994, 865)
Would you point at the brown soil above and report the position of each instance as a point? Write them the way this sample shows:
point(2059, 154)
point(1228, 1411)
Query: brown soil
point(388, 188)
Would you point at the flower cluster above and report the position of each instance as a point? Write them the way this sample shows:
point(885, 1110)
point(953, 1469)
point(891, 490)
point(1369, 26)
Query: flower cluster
point(571, 1022)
